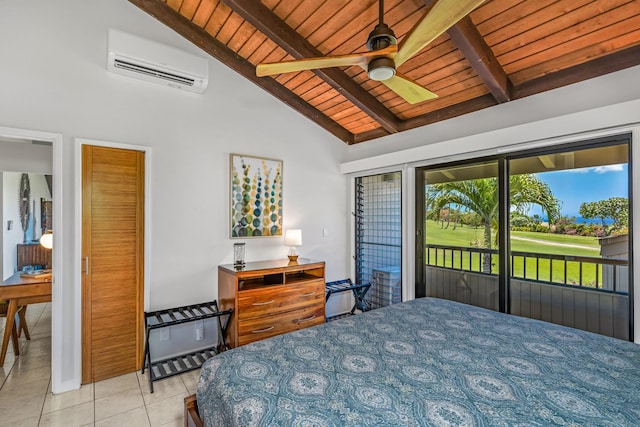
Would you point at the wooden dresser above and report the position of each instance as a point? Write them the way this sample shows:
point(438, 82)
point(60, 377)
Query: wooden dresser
point(33, 254)
point(270, 298)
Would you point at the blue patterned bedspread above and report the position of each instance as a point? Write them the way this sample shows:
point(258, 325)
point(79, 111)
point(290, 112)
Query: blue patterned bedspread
point(425, 362)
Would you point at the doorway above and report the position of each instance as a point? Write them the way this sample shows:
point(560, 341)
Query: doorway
point(46, 159)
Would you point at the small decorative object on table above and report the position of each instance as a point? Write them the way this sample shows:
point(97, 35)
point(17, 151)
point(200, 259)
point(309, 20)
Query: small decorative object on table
point(293, 238)
point(238, 254)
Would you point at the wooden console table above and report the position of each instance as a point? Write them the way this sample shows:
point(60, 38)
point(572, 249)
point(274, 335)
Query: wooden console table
point(18, 291)
point(269, 298)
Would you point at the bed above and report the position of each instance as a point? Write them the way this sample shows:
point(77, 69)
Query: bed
point(425, 362)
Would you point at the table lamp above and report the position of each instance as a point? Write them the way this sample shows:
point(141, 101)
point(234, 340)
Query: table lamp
point(46, 240)
point(293, 238)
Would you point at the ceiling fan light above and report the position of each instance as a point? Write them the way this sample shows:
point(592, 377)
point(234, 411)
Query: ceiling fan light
point(381, 69)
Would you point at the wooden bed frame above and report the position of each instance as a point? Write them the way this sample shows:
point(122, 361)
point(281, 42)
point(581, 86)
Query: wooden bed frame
point(191, 416)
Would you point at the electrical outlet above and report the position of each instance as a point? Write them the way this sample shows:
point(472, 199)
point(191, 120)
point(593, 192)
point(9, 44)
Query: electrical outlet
point(199, 330)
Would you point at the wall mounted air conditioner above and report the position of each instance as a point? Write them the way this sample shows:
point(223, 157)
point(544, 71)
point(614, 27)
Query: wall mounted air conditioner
point(148, 60)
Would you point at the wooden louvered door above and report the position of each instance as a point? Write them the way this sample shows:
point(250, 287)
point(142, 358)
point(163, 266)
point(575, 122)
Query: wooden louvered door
point(112, 261)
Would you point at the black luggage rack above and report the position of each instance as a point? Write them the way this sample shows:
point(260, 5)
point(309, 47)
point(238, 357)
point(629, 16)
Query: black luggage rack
point(186, 362)
point(359, 291)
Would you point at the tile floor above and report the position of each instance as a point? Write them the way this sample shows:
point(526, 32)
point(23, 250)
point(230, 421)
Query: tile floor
point(26, 398)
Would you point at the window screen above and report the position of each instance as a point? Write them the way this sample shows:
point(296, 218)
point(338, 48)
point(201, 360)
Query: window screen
point(378, 219)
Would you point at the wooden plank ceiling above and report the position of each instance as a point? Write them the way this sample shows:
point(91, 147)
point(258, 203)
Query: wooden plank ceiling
point(503, 50)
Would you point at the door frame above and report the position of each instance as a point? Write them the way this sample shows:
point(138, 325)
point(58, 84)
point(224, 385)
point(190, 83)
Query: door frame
point(57, 303)
point(77, 260)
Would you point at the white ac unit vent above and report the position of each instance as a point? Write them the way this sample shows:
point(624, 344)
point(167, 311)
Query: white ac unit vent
point(148, 60)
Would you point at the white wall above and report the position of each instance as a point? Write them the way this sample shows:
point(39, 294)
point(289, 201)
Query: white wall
point(24, 156)
point(54, 79)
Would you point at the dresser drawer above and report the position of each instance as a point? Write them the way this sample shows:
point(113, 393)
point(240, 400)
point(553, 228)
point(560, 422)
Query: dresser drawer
point(250, 330)
point(276, 299)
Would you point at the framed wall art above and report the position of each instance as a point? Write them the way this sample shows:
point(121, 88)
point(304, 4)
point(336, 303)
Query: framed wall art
point(256, 196)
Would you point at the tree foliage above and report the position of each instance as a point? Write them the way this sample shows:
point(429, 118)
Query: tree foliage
point(481, 196)
point(616, 208)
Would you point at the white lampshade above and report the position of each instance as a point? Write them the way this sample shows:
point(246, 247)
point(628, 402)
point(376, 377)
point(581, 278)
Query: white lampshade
point(46, 240)
point(293, 237)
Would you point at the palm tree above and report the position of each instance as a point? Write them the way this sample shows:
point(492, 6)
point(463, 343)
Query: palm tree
point(481, 197)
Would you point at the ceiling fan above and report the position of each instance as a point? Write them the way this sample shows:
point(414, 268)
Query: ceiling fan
point(385, 55)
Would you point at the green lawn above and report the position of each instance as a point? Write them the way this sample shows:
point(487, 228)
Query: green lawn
point(544, 243)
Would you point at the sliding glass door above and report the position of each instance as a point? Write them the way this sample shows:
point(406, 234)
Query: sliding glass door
point(461, 216)
point(378, 246)
point(570, 254)
point(543, 234)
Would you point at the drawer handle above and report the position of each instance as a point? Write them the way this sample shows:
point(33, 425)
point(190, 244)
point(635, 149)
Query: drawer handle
point(258, 331)
point(306, 319)
point(308, 294)
point(264, 303)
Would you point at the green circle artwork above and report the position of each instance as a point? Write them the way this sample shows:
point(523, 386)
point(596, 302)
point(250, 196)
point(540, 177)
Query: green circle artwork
point(256, 197)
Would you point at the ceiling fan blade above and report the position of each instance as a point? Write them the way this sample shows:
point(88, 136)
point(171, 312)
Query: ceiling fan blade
point(408, 90)
point(361, 59)
point(443, 15)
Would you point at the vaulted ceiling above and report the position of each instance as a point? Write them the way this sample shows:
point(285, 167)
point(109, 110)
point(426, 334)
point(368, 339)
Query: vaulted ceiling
point(502, 51)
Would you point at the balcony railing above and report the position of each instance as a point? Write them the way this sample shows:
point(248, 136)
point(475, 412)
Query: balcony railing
point(596, 273)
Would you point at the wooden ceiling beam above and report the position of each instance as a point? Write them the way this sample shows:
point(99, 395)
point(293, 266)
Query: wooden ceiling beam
point(475, 49)
point(196, 35)
point(468, 40)
point(369, 135)
point(268, 23)
point(613, 62)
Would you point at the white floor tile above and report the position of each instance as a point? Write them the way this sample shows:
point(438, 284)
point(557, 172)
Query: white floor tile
point(31, 378)
point(73, 416)
point(24, 363)
point(26, 391)
point(162, 389)
point(166, 411)
point(29, 422)
point(135, 417)
point(55, 402)
point(118, 403)
point(175, 423)
point(190, 380)
point(116, 385)
point(19, 409)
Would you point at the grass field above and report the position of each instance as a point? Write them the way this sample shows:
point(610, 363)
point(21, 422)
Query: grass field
point(543, 243)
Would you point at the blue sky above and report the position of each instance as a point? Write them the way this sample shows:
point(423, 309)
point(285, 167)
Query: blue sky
point(574, 186)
